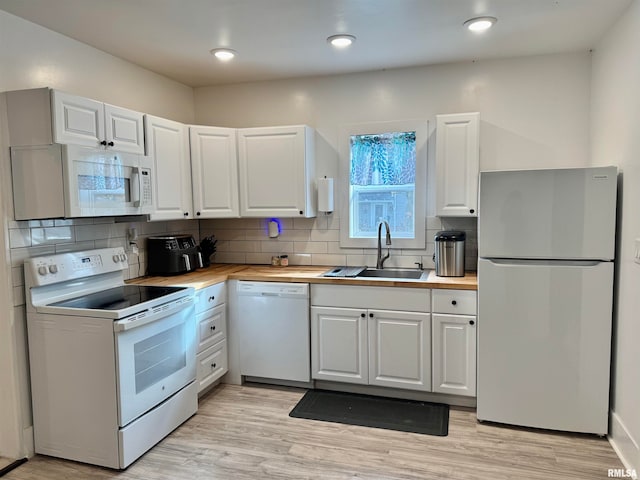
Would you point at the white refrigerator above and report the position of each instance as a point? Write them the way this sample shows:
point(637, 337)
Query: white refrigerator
point(546, 242)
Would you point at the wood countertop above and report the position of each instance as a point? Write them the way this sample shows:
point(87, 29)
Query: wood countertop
point(299, 274)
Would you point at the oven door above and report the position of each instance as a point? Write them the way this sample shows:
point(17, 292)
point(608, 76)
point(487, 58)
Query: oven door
point(155, 357)
point(103, 182)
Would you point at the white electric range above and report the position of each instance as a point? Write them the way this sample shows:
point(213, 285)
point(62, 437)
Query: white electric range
point(112, 365)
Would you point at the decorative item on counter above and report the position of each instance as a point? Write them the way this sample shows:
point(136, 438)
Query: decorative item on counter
point(280, 261)
point(208, 248)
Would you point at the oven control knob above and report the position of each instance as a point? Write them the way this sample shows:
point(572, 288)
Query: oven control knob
point(42, 270)
point(53, 268)
point(123, 257)
point(116, 259)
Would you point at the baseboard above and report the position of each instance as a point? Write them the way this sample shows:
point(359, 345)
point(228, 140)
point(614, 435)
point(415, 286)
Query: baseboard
point(624, 444)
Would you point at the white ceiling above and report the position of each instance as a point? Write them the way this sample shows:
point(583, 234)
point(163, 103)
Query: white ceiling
point(287, 38)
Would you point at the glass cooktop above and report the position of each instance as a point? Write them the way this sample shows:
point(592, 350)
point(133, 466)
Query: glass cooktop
point(118, 298)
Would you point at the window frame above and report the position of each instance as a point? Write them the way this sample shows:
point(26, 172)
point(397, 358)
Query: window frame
point(421, 127)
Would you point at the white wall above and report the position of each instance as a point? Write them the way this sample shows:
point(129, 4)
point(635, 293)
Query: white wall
point(534, 110)
point(615, 140)
point(32, 56)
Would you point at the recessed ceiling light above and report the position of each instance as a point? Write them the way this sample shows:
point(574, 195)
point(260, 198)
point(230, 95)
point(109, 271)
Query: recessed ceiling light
point(480, 24)
point(224, 54)
point(341, 41)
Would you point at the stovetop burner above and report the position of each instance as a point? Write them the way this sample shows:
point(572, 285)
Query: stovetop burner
point(118, 298)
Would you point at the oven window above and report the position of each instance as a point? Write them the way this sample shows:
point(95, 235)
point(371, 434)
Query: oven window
point(159, 356)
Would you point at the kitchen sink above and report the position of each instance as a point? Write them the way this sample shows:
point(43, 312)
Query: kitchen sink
point(394, 273)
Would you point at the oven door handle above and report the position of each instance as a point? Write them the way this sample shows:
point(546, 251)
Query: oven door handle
point(151, 315)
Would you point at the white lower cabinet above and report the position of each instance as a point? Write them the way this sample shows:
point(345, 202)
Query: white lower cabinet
point(371, 346)
point(339, 344)
point(399, 349)
point(454, 342)
point(211, 320)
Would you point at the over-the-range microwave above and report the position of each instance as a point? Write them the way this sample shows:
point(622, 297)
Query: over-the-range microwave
point(55, 181)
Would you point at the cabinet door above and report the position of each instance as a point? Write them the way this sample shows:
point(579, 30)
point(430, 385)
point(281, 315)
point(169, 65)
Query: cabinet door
point(214, 170)
point(77, 120)
point(454, 354)
point(400, 349)
point(124, 129)
point(276, 168)
point(339, 344)
point(167, 144)
point(457, 164)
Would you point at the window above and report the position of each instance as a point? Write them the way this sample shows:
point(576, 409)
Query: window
point(385, 168)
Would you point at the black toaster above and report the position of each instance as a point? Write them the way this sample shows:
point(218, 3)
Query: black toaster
point(172, 255)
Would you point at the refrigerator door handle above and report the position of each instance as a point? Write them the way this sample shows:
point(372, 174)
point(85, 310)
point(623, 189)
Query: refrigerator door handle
point(550, 263)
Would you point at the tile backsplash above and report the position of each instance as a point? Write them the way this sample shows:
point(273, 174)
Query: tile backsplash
point(307, 241)
point(34, 238)
point(316, 241)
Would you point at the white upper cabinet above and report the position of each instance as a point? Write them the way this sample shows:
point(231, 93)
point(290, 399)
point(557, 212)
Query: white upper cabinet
point(82, 121)
point(457, 164)
point(214, 170)
point(41, 116)
point(277, 171)
point(168, 145)
point(124, 129)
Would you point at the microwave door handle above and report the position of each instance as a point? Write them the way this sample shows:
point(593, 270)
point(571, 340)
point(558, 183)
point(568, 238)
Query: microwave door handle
point(136, 186)
point(187, 262)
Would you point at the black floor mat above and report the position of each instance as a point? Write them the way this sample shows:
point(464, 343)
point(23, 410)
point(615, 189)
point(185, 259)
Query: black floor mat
point(377, 412)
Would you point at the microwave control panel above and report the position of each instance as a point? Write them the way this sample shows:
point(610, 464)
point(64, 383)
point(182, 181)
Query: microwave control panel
point(146, 186)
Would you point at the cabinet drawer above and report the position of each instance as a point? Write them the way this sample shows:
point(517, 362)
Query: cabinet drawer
point(462, 302)
point(383, 298)
point(212, 364)
point(211, 296)
point(212, 327)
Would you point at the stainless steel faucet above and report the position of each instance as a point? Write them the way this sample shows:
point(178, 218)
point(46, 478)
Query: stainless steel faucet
point(381, 259)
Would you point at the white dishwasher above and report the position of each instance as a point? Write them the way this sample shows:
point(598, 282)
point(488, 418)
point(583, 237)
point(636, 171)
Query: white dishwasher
point(274, 330)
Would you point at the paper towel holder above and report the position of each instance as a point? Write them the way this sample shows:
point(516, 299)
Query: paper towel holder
point(325, 195)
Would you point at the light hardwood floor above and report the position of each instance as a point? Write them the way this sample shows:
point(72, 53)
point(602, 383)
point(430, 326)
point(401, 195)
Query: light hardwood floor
point(246, 433)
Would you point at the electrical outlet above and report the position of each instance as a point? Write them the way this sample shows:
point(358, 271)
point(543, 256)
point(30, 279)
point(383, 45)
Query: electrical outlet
point(636, 253)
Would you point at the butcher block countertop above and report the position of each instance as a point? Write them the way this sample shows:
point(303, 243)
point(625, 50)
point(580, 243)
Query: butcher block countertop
point(217, 273)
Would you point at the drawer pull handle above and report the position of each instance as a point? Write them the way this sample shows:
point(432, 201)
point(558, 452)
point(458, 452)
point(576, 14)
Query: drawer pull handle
point(471, 322)
point(453, 302)
point(213, 327)
point(371, 315)
point(213, 365)
point(362, 315)
point(212, 298)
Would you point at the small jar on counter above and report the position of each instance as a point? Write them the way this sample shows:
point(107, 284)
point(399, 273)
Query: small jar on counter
point(284, 260)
